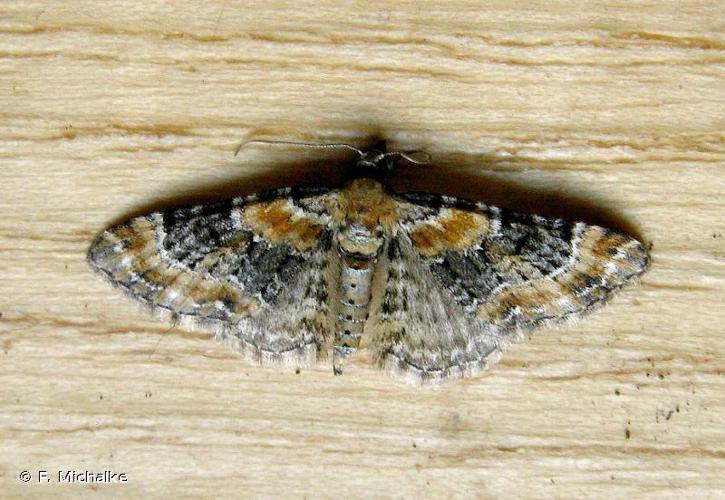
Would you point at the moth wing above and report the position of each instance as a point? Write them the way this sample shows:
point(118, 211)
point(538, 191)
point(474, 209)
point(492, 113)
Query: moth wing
point(461, 279)
point(255, 269)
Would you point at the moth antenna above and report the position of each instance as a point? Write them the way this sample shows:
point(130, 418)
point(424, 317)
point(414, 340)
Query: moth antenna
point(411, 157)
point(305, 144)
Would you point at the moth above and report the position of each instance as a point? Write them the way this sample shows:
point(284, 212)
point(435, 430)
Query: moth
point(425, 285)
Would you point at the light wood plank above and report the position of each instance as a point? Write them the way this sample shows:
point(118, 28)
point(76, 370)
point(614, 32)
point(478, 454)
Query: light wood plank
point(606, 111)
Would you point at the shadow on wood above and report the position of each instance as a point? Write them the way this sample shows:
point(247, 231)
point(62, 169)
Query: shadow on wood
point(471, 179)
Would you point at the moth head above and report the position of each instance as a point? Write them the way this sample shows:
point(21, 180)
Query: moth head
point(383, 162)
point(377, 162)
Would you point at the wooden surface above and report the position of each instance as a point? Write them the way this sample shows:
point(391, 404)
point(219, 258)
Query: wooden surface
point(611, 112)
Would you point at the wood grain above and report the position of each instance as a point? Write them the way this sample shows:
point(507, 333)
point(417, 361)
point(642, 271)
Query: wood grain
point(606, 111)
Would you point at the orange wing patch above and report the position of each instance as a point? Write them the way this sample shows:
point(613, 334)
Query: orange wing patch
point(604, 257)
point(454, 229)
point(278, 222)
point(169, 287)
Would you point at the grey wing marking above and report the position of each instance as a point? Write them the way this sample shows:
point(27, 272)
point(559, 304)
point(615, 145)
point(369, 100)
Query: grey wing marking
point(251, 268)
point(486, 276)
point(417, 329)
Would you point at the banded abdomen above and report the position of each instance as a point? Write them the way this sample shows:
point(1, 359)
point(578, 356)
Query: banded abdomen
point(358, 248)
